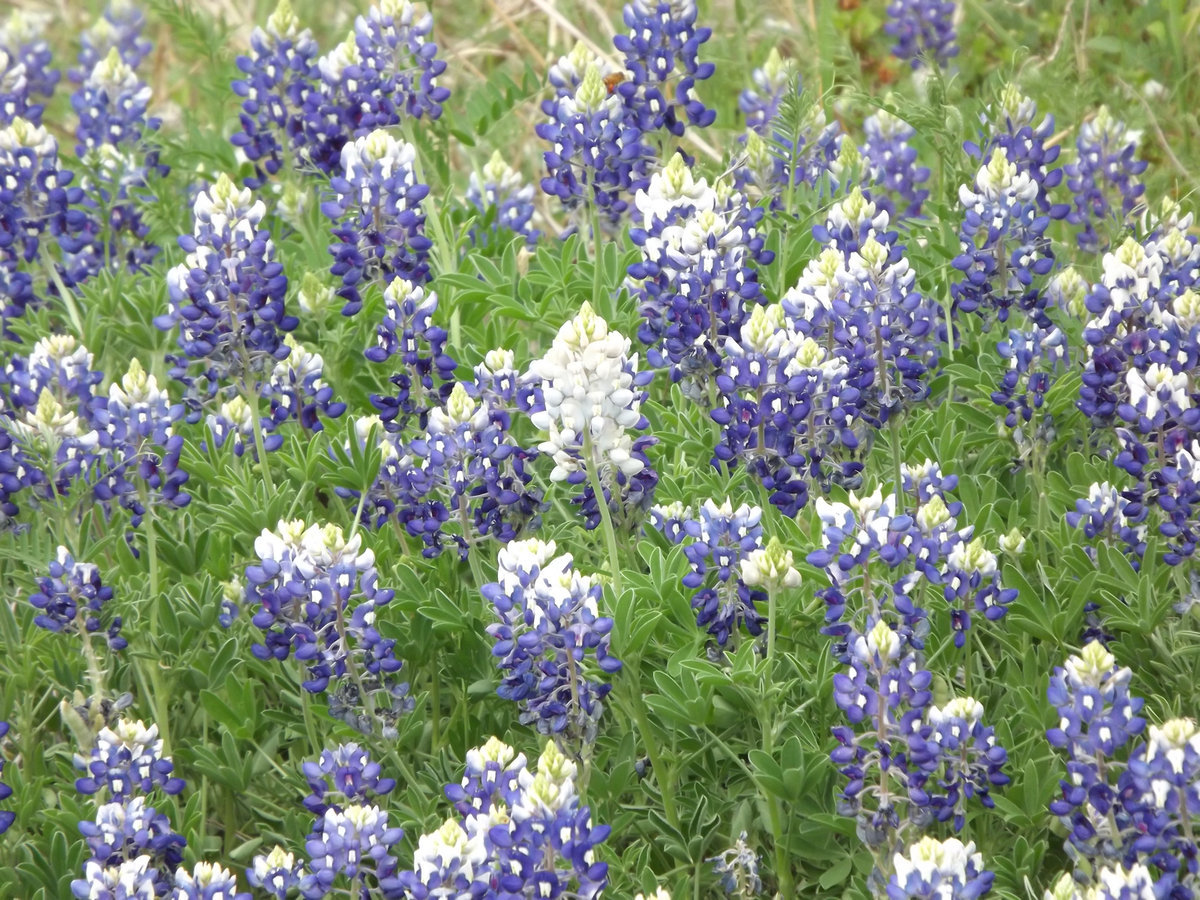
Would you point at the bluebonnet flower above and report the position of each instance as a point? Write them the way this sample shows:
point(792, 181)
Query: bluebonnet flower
point(207, 881)
point(278, 76)
point(236, 420)
point(521, 834)
point(466, 479)
point(1104, 178)
point(27, 57)
point(72, 599)
point(343, 775)
point(317, 595)
point(550, 638)
point(588, 401)
point(597, 157)
point(1097, 718)
point(663, 45)
point(939, 870)
point(773, 81)
point(114, 142)
point(276, 873)
point(355, 842)
point(385, 71)
point(1009, 123)
point(1159, 790)
point(407, 331)
point(500, 187)
point(227, 298)
point(127, 760)
point(738, 869)
point(131, 879)
point(377, 217)
point(1034, 357)
point(890, 162)
point(697, 281)
point(119, 27)
point(924, 31)
point(716, 541)
point(1004, 243)
point(38, 212)
point(7, 816)
point(958, 754)
point(297, 391)
point(126, 830)
point(1107, 512)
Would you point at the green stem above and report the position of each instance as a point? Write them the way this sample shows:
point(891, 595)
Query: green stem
point(606, 521)
point(772, 619)
point(897, 460)
point(435, 708)
point(260, 447)
point(161, 698)
point(642, 719)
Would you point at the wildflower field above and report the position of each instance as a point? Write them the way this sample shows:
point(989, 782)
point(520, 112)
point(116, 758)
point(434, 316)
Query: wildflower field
point(550, 449)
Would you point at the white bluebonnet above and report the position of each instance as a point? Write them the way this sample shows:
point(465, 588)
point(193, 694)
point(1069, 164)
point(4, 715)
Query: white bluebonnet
point(588, 401)
point(131, 879)
point(276, 873)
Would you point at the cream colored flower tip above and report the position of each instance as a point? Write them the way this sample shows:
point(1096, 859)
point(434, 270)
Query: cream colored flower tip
point(770, 567)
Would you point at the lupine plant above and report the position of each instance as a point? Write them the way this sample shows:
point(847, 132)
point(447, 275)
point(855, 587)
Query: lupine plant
point(571, 451)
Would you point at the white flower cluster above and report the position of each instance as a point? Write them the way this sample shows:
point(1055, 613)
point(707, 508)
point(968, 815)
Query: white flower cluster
point(589, 400)
point(312, 548)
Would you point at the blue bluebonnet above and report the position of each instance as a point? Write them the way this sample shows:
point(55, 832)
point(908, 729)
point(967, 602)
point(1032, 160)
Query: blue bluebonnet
point(119, 27)
point(39, 213)
point(49, 445)
point(127, 760)
point(377, 217)
point(72, 600)
point(125, 830)
point(343, 775)
point(697, 281)
point(912, 762)
point(939, 870)
point(425, 370)
point(207, 881)
point(1011, 123)
point(716, 539)
point(227, 298)
point(774, 81)
point(521, 833)
point(738, 870)
point(276, 873)
point(115, 143)
point(890, 162)
point(661, 47)
point(466, 479)
point(597, 156)
point(1035, 358)
point(7, 816)
point(26, 76)
point(500, 187)
point(588, 399)
point(296, 389)
point(278, 76)
point(354, 843)
point(1005, 250)
point(384, 72)
point(1098, 717)
point(551, 641)
point(317, 597)
point(924, 31)
point(1104, 180)
point(1106, 512)
point(132, 879)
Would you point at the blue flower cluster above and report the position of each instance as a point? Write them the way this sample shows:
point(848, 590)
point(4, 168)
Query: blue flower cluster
point(26, 75)
point(924, 31)
point(1104, 179)
point(57, 434)
point(7, 816)
point(463, 481)
point(119, 27)
point(72, 600)
point(715, 541)
point(939, 870)
point(317, 598)
point(518, 834)
point(907, 761)
point(302, 109)
point(39, 214)
point(377, 217)
point(550, 638)
point(500, 188)
point(1129, 799)
point(890, 163)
